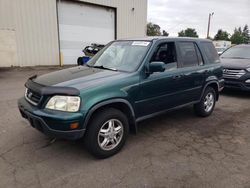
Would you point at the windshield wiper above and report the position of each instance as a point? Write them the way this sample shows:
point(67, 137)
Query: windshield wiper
point(102, 67)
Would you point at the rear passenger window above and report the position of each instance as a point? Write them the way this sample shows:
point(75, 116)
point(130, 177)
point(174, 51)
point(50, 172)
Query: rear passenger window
point(210, 52)
point(188, 54)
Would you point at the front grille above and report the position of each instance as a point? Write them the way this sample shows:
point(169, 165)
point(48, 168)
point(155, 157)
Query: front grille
point(233, 73)
point(33, 97)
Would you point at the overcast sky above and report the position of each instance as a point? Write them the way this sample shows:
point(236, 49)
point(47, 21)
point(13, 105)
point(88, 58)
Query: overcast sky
point(175, 15)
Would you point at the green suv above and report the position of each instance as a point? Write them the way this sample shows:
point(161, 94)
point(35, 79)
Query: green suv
point(126, 82)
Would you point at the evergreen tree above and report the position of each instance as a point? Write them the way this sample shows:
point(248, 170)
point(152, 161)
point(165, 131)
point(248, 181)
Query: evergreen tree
point(246, 34)
point(237, 37)
point(222, 35)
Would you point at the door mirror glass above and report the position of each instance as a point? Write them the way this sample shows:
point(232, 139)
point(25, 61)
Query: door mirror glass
point(156, 66)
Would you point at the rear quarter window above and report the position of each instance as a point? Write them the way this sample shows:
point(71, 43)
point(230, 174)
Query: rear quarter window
point(188, 54)
point(210, 52)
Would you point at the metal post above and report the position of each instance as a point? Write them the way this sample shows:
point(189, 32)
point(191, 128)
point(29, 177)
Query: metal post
point(208, 26)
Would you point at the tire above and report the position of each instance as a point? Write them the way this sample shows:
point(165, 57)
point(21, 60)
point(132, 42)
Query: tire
point(206, 106)
point(102, 139)
point(79, 61)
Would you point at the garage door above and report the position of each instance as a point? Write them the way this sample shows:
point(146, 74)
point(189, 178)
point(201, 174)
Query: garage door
point(81, 25)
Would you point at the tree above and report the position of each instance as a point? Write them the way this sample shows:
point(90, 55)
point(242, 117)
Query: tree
point(189, 32)
point(182, 33)
point(237, 37)
point(165, 33)
point(222, 35)
point(246, 34)
point(153, 29)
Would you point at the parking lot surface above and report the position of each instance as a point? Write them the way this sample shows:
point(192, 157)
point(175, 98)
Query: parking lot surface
point(176, 149)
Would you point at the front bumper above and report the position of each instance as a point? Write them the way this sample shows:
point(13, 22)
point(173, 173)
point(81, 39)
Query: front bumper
point(237, 84)
point(52, 123)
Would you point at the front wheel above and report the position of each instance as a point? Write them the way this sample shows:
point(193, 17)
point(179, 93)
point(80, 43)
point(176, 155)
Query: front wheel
point(206, 106)
point(107, 133)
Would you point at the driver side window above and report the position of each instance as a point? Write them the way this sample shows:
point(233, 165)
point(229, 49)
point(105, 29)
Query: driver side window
point(166, 53)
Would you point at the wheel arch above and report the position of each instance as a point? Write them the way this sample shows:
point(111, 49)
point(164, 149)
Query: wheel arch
point(120, 104)
point(215, 85)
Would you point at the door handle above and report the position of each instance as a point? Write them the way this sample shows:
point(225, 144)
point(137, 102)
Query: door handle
point(177, 77)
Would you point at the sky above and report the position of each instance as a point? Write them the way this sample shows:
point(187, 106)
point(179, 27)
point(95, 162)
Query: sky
point(176, 15)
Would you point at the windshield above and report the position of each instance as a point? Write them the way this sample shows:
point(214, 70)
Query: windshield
point(220, 49)
point(242, 52)
point(121, 56)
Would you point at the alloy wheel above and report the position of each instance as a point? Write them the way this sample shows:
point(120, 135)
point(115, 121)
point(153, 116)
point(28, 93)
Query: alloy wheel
point(110, 134)
point(209, 102)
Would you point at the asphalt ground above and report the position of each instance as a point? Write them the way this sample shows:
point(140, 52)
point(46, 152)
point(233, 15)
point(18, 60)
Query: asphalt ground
point(176, 149)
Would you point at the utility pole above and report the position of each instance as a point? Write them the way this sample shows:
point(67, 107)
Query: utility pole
point(208, 25)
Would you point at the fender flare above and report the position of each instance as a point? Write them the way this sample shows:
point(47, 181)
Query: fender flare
point(111, 101)
point(211, 82)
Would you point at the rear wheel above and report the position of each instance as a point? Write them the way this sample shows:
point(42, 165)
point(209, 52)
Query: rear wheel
point(107, 133)
point(206, 106)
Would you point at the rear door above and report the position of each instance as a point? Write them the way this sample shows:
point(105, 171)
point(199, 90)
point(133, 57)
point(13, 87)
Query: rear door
point(193, 71)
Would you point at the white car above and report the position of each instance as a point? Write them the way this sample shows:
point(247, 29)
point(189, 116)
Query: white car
point(220, 50)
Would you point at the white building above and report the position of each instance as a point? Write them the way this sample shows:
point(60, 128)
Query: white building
point(54, 32)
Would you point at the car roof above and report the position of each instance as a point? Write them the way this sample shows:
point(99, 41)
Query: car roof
point(242, 45)
point(157, 38)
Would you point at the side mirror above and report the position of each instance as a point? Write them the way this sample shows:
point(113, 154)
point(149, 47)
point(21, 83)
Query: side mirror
point(156, 66)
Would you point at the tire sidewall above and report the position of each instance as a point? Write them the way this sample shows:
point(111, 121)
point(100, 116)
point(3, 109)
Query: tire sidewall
point(95, 126)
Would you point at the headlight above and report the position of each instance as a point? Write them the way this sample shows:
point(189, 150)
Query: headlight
point(248, 69)
point(64, 103)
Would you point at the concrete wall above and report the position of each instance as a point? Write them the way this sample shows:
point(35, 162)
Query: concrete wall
point(31, 27)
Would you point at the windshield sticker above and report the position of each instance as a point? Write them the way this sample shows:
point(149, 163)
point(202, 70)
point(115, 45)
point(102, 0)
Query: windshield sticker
point(140, 43)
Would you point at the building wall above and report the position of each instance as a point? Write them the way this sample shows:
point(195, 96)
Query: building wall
point(35, 25)
point(8, 49)
point(30, 27)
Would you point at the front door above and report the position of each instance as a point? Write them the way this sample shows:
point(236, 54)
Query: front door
point(160, 90)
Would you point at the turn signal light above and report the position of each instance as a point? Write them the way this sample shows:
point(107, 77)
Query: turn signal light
point(74, 125)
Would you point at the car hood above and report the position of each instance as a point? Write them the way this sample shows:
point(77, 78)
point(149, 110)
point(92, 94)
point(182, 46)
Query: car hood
point(79, 77)
point(235, 63)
